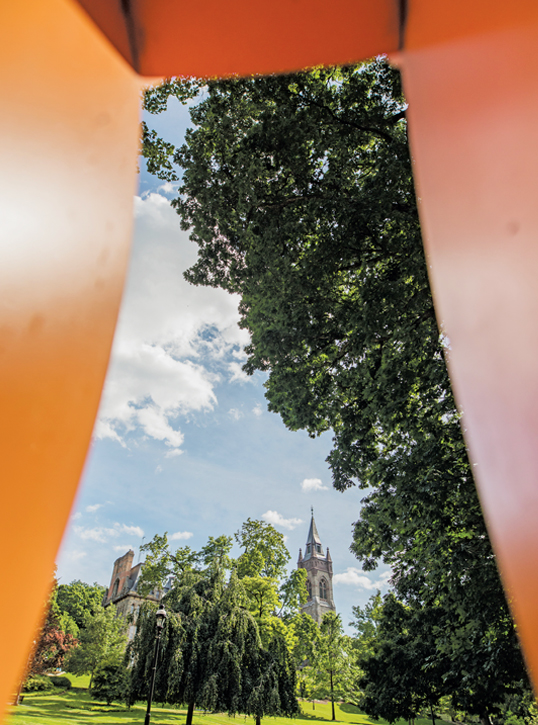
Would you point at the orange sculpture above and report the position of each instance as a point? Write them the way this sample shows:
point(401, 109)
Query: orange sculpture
point(69, 139)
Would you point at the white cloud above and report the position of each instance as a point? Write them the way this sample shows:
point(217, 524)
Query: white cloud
point(159, 469)
point(94, 507)
point(235, 413)
point(181, 535)
point(238, 374)
point(76, 555)
point(168, 188)
point(313, 484)
point(103, 534)
point(276, 519)
point(170, 336)
point(132, 530)
point(123, 547)
point(360, 579)
point(98, 533)
point(76, 516)
point(257, 410)
point(173, 453)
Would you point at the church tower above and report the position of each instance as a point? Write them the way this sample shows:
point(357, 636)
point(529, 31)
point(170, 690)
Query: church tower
point(319, 575)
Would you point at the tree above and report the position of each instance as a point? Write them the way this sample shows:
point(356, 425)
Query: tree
point(110, 683)
point(333, 662)
point(403, 671)
point(264, 551)
point(102, 641)
point(366, 622)
point(51, 648)
point(212, 653)
point(56, 639)
point(161, 563)
point(80, 600)
point(298, 192)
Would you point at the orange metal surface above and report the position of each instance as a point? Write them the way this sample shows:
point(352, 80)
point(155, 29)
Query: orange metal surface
point(68, 143)
point(473, 109)
point(212, 37)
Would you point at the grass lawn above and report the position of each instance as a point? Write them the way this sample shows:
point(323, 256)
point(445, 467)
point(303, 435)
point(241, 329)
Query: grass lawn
point(77, 708)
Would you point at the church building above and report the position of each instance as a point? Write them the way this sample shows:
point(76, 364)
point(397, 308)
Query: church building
point(123, 594)
point(319, 575)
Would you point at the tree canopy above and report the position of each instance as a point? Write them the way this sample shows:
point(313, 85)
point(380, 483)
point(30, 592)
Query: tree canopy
point(212, 652)
point(298, 191)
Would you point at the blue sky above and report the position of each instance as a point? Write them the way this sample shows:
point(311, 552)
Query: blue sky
point(183, 442)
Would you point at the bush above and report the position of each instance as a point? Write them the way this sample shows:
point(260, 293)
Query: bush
point(36, 683)
point(110, 683)
point(63, 682)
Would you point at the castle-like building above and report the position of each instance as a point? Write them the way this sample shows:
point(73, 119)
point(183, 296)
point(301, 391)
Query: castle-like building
point(122, 592)
point(319, 575)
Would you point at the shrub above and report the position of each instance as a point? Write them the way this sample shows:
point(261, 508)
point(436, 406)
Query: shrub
point(110, 683)
point(37, 682)
point(63, 682)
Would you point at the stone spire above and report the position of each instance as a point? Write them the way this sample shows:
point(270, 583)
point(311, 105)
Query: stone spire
point(319, 575)
point(313, 542)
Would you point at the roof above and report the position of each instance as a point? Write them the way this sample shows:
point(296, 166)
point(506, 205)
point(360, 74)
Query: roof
point(313, 541)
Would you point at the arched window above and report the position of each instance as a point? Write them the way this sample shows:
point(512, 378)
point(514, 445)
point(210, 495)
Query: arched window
point(323, 589)
point(308, 548)
point(115, 588)
point(318, 548)
point(309, 588)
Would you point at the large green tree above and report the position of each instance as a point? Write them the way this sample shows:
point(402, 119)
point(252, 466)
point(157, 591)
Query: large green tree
point(298, 191)
point(101, 642)
point(212, 654)
point(80, 601)
point(333, 662)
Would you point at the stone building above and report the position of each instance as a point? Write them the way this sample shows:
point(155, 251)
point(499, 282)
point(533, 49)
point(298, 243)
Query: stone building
point(122, 592)
point(319, 575)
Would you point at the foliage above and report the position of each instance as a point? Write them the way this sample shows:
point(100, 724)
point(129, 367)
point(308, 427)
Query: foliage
point(53, 643)
point(221, 648)
point(298, 191)
point(110, 683)
point(264, 551)
point(333, 662)
point(38, 683)
point(102, 641)
point(59, 681)
point(366, 623)
point(403, 672)
point(80, 601)
point(161, 563)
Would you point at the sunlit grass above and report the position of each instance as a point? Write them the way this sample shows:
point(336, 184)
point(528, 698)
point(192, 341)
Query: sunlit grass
point(76, 707)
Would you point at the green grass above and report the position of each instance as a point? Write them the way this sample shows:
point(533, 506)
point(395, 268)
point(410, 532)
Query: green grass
point(79, 680)
point(77, 708)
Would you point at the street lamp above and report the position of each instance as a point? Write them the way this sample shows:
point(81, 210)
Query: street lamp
point(160, 617)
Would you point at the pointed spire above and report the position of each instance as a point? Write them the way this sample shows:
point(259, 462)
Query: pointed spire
point(313, 542)
point(328, 557)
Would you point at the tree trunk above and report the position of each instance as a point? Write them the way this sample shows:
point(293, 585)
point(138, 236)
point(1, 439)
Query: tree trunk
point(190, 713)
point(332, 696)
point(91, 680)
point(258, 720)
point(484, 719)
point(433, 716)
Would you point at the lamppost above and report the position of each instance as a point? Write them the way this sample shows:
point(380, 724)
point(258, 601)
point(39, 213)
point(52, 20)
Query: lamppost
point(160, 616)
